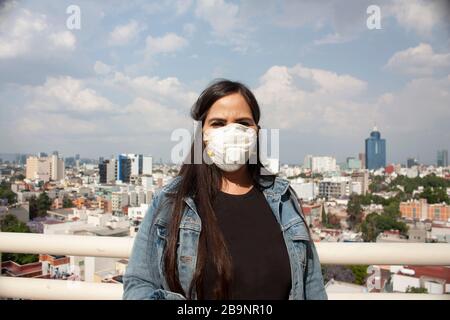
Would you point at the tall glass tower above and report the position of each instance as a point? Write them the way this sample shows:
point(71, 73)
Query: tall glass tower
point(442, 158)
point(375, 151)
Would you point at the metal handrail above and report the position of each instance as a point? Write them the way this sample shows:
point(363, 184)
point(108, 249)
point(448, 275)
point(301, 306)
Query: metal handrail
point(429, 254)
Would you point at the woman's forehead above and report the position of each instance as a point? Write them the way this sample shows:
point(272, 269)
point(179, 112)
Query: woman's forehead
point(233, 105)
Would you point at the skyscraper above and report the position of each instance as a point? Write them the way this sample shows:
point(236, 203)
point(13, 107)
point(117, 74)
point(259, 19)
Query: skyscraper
point(375, 151)
point(362, 159)
point(123, 168)
point(442, 158)
point(411, 162)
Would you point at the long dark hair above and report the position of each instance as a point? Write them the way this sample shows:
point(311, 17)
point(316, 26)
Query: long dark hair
point(202, 182)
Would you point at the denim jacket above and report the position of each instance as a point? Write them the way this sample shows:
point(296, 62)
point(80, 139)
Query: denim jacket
point(144, 276)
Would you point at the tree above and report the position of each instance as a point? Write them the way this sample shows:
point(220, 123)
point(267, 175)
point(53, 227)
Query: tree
point(324, 216)
point(43, 204)
point(360, 273)
point(333, 221)
point(376, 223)
point(6, 193)
point(354, 211)
point(33, 207)
point(10, 223)
point(67, 203)
point(435, 195)
point(392, 209)
point(416, 290)
point(19, 177)
point(369, 227)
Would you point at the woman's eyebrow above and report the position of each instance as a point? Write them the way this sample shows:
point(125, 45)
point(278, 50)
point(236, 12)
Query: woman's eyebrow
point(225, 120)
point(244, 119)
point(217, 119)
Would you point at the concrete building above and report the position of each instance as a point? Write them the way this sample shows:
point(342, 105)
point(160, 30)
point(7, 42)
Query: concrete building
point(353, 164)
point(119, 200)
point(363, 178)
point(323, 164)
point(45, 168)
point(138, 213)
point(421, 210)
point(147, 165)
point(391, 236)
point(305, 190)
point(336, 187)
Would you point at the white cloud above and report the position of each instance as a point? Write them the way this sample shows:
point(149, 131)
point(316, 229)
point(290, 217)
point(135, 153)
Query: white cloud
point(17, 32)
point(420, 60)
point(23, 30)
point(418, 15)
point(229, 27)
point(77, 112)
point(169, 91)
point(168, 43)
point(332, 38)
point(124, 34)
point(147, 115)
point(321, 106)
point(300, 97)
point(101, 68)
point(63, 39)
point(181, 6)
point(46, 124)
point(66, 94)
point(221, 15)
point(420, 109)
point(189, 29)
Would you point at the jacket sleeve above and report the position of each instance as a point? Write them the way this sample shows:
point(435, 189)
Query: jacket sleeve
point(313, 280)
point(314, 286)
point(142, 279)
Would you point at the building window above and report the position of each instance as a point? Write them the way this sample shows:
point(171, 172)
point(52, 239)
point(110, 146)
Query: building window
point(436, 213)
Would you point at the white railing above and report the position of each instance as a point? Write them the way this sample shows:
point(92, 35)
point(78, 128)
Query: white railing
point(330, 253)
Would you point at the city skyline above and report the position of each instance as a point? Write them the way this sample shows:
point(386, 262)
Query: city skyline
point(128, 77)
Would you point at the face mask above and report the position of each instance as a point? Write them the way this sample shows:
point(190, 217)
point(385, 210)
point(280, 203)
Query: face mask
point(230, 146)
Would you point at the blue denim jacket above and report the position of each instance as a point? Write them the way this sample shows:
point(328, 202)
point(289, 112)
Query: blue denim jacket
point(144, 277)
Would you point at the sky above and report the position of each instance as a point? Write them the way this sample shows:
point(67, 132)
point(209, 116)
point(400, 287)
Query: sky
point(127, 76)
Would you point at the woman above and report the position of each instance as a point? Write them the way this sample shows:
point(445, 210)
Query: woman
point(224, 228)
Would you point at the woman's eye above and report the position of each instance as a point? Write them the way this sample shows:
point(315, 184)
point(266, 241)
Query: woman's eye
point(216, 124)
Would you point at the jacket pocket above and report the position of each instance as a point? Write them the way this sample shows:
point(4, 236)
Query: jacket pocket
point(298, 235)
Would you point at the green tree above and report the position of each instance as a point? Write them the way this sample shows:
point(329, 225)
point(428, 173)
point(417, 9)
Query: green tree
point(324, 216)
point(10, 223)
point(416, 290)
point(392, 208)
point(333, 221)
point(33, 207)
point(67, 203)
point(360, 272)
point(19, 177)
point(6, 193)
point(354, 211)
point(369, 227)
point(375, 223)
point(43, 204)
point(435, 194)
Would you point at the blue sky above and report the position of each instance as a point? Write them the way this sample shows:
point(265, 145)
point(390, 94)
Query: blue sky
point(128, 77)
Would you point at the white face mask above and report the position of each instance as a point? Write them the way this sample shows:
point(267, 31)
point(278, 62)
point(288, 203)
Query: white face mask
point(230, 146)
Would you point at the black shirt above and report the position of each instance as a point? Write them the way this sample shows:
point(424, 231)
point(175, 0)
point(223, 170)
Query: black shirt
point(261, 266)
